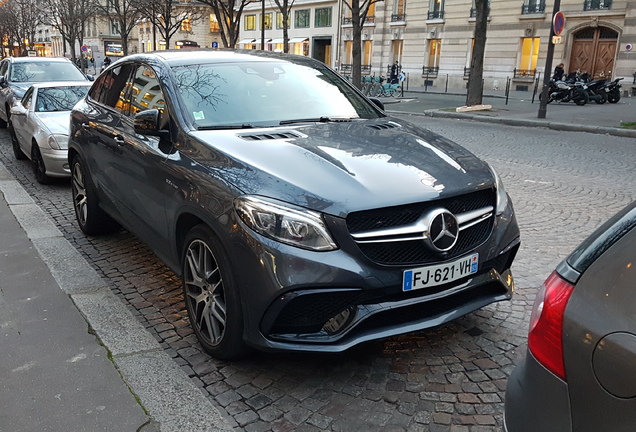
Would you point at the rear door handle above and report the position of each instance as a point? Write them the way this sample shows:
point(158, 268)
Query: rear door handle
point(86, 126)
point(119, 140)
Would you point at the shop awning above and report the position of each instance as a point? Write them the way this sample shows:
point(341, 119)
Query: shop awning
point(277, 41)
point(298, 40)
point(246, 41)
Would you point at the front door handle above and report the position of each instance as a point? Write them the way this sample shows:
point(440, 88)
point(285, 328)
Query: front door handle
point(119, 140)
point(86, 126)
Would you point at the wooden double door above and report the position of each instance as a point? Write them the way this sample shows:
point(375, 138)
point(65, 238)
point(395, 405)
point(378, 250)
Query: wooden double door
point(594, 51)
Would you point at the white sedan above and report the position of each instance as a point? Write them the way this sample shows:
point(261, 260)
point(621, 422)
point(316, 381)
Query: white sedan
point(39, 126)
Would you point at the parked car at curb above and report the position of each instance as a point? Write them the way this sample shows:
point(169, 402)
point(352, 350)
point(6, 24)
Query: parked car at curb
point(39, 126)
point(17, 74)
point(579, 373)
point(297, 213)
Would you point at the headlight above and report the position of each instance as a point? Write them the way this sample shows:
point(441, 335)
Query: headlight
point(58, 141)
point(502, 196)
point(284, 223)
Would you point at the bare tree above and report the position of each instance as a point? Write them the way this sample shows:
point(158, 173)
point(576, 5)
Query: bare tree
point(20, 20)
point(123, 12)
point(69, 18)
point(167, 16)
point(228, 14)
point(359, 10)
point(284, 6)
point(475, 92)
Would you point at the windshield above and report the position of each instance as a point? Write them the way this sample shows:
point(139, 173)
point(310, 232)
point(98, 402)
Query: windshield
point(59, 98)
point(265, 94)
point(45, 71)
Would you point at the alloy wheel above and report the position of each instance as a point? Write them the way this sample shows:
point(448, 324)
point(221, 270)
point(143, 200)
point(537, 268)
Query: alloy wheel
point(79, 194)
point(204, 292)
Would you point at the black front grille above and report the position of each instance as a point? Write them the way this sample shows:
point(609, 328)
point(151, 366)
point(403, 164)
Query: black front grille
point(403, 215)
point(415, 251)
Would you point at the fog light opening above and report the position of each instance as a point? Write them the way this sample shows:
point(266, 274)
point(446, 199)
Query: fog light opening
point(336, 323)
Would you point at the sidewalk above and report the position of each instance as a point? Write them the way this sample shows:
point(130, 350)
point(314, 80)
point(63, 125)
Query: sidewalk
point(519, 110)
point(73, 356)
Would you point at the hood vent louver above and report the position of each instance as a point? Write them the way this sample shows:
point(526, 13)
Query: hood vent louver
point(262, 136)
point(383, 126)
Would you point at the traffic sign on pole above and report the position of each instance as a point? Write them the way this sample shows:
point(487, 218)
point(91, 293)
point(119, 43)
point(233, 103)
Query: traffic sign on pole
point(558, 23)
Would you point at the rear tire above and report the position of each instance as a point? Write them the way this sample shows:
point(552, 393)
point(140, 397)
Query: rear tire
point(581, 98)
point(17, 151)
point(91, 219)
point(602, 98)
point(211, 295)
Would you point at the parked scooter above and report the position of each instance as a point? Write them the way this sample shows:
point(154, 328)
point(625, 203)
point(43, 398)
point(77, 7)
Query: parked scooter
point(613, 90)
point(561, 91)
point(596, 91)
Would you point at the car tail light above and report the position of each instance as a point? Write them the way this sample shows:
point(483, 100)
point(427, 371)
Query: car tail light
point(545, 339)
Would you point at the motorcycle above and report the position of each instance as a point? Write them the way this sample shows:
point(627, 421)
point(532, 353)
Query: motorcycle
point(613, 91)
point(561, 91)
point(596, 91)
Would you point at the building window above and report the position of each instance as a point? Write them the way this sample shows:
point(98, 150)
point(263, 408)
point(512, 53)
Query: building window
point(436, 9)
point(473, 10)
point(214, 24)
point(529, 54)
point(280, 22)
point(302, 18)
point(267, 21)
point(301, 48)
point(323, 17)
point(398, 11)
point(370, 14)
point(114, 27)
point(434, 52)
point(186, 25)
point(533, 7)
point(250, 22)
point(597, 4)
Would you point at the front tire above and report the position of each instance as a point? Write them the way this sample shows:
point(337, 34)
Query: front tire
point(211, 295)
point(91, 219)
point(581, 98)
point(39, 168)
point(614, 96)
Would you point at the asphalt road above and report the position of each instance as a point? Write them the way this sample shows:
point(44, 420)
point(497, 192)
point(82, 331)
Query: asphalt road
point(451, 378)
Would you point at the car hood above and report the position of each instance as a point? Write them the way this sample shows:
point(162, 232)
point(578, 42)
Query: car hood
point(337, 168)
point(19, 89)
point(57, 122)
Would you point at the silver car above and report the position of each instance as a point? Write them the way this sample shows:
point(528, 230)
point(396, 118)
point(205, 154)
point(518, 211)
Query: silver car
point(579, 374)
point(39, 126)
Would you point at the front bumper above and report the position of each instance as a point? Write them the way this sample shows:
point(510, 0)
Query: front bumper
point(298, 300)
point(56, 162)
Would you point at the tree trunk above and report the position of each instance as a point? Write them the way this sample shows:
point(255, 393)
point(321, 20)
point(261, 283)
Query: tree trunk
point(475, 92)
point(356, 51)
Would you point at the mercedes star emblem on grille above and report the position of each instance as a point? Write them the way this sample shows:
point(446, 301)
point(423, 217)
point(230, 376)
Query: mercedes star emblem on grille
point(442, 230)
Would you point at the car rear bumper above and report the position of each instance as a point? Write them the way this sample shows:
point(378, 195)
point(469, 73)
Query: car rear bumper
point(536, 400)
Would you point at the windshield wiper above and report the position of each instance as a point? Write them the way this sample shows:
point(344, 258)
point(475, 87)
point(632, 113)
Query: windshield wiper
point(323, 119)
point(221, 127)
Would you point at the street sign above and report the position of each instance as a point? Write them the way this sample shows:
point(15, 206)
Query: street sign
point(558, 23)
point(215, 44)
point(556, 40)
point(84, 48)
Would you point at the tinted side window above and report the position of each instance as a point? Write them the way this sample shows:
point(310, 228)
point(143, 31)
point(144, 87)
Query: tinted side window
point(145, 91)
point(26, 100)
point(110, 89)
point(3, 67)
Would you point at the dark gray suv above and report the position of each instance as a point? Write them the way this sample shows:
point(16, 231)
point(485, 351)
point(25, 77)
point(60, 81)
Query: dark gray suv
point(298, 214)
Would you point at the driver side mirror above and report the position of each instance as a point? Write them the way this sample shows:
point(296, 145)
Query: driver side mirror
point(18, 108)
point(377, 102)
point(3, 81)
point(147, 123)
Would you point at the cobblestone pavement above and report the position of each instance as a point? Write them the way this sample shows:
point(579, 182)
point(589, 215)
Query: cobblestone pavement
point(450, 378)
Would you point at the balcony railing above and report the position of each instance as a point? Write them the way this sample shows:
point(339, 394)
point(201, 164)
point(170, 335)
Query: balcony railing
point(430, 71)
point(524, 73)
point(436, 14)
point(398, 17)
point(597, 5)
point(368, 20)
point(348, 68)
point(473, 12)
point(466, 72)
point(533, 8)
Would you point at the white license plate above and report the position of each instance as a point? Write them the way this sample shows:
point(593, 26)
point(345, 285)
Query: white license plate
point(425, 277)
